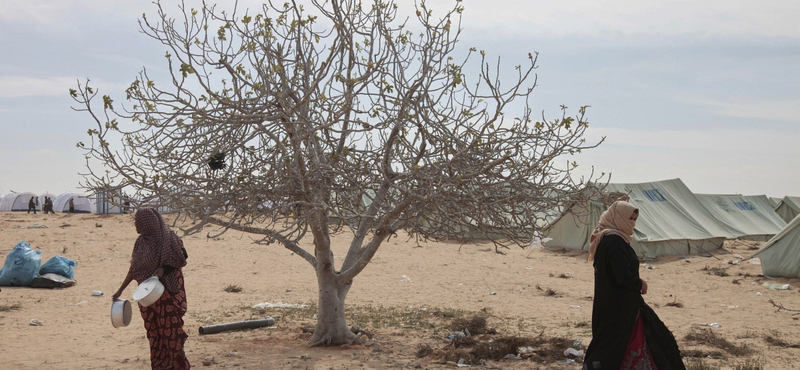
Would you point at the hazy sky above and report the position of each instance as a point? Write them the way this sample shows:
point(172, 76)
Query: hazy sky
point(703, 91)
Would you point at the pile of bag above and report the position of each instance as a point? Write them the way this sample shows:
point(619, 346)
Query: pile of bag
point(23, 267)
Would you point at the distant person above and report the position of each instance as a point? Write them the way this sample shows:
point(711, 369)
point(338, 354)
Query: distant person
point(126, 205)
point(31, 206)
point(71, 206)
point(626, 332)
point(48, 205)
point(159, 251)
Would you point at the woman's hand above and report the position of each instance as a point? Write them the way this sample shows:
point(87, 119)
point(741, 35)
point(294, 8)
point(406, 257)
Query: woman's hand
point(644, 287)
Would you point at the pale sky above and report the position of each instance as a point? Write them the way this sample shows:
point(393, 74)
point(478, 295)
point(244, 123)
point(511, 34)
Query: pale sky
point(703, 91)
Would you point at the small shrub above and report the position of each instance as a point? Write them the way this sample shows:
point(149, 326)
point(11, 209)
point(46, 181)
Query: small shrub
point(233, 289)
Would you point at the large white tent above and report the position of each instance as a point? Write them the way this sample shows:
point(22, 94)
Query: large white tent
point(81, 202)
point(788, 208)
point(749, 217)
point(671, 221)
point(780, 256)
point(17, 202)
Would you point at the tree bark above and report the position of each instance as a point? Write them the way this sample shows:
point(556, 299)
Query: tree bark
point(331, 326)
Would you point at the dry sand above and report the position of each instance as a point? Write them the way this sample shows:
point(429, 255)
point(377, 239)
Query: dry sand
point(527, 292)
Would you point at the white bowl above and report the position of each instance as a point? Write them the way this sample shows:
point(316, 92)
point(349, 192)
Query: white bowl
point(120, 313)
point(149, 291)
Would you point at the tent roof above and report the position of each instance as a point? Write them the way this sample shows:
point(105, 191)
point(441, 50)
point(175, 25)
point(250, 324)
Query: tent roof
point(668, 210)
point(792, 202)
point(744, 215)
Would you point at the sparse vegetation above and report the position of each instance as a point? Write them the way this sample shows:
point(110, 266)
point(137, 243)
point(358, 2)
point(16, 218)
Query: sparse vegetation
point(698, 364)
point(710, 338)
point(774, 339)
point(750, 364)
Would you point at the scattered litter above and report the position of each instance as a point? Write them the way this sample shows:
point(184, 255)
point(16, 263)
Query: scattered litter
point(493, 293)
point(754, 261)
point(458, 334)
point(35, 322)
point(97, 293)
point(79, 303)
point(523, 350)
point(574, 306)
point(462, 363)
point(713, 324)
point(647, 266)
point(777, 286)
point(405, 279)
point(278, 305)
point(739, 256)
point(758, 293)
point(566, 361)
point(34, 226)
point(729, 306)
point(573, 352)
point(511, 356)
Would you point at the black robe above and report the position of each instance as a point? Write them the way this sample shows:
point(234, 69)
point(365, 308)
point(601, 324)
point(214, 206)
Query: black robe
point(617, 302)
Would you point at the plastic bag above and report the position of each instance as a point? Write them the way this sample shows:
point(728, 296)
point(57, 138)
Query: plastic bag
point(59, 265)
point(21, 266)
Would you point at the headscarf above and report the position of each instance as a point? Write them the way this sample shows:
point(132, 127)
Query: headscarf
point(156, 246)
point(616, 220)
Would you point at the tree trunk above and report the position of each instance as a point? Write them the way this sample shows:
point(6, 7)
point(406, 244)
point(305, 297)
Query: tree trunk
point(331, 325)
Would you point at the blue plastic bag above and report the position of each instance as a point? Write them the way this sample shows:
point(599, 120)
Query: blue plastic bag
point(21, 266)
point(59, 265)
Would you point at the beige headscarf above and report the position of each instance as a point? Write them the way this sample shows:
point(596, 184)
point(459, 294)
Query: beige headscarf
point(616, 220)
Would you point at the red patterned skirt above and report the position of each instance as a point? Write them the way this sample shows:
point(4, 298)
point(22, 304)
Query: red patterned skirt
point(163, 321)
point(637, 355)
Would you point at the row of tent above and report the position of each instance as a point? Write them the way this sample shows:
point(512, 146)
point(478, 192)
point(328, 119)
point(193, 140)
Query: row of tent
point(674, 221)
point(15, 202)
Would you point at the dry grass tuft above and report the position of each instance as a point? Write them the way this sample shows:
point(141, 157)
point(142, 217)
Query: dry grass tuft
point(698, 364)
point(10, 307)
point(233, 289)
point(476, 325)
point(716, 271)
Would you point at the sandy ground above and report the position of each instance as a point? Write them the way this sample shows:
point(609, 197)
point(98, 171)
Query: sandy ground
point(527, 292)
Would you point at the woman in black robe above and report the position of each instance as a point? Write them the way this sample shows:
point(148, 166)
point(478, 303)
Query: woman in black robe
point(626, 332)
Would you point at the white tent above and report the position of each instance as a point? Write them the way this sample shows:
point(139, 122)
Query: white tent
point(671, 221)
point(81, 202)
point(788, 208)
point(749, 217)
point(17, 202)
point(780, 256)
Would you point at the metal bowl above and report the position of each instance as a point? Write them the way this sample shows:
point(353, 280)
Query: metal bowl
point(120, 313)
point(149, 291)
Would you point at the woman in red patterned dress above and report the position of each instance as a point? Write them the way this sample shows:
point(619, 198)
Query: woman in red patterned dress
point(626, 333)
point(159, 251)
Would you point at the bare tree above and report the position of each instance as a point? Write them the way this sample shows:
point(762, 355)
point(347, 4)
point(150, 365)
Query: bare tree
point(343, 117)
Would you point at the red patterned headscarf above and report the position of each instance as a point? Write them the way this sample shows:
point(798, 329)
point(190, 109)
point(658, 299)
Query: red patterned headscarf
point(157, 246)
point(616, 220)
